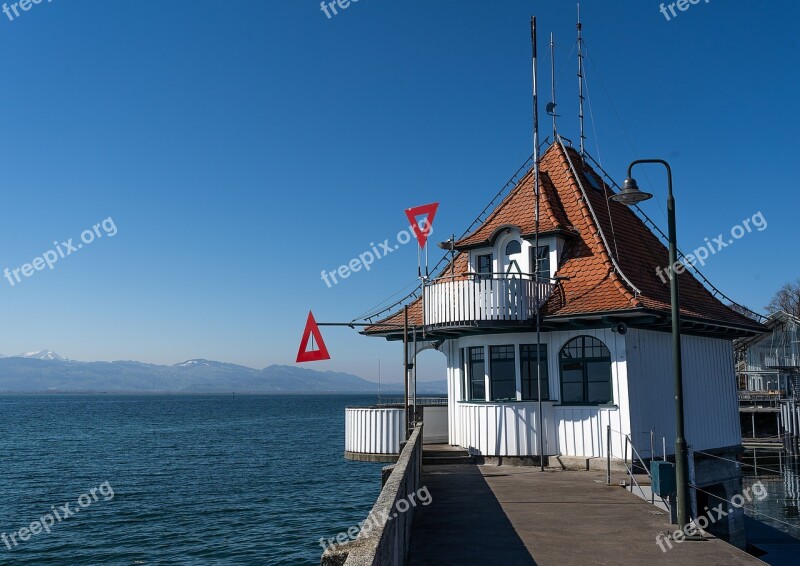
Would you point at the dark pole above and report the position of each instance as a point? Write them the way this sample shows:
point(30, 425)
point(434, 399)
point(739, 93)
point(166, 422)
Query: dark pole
point(540, 411)
point(405, 368)
point(681, 463)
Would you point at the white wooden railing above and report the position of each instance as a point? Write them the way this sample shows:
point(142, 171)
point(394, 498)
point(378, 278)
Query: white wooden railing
point(466, 300)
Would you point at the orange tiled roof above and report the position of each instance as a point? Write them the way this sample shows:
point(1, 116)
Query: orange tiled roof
point(592, 284)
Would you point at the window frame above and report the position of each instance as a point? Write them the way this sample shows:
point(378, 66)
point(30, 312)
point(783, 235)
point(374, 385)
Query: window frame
point(536, 260)
point(508, 348)
point(479, 270)
point(530, 359)
point(471, 380)
point(584, 361)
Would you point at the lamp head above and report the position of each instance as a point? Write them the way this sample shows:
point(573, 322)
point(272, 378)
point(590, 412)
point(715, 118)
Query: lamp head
point(630, 193)
point(449, 245)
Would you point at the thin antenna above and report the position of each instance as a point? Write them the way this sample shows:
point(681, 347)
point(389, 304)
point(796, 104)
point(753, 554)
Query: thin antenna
point(553, 85)
point(580, 82)
point(536, 218)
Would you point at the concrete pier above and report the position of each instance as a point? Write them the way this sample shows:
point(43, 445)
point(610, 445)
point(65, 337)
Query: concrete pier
point(519, 515)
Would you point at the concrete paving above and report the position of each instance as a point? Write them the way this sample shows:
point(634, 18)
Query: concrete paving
point(520, 516)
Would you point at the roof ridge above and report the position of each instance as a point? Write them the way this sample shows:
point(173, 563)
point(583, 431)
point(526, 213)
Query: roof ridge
point(595, 230)
point(548, 186)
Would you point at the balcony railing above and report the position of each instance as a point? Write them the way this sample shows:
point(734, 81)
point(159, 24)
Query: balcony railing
point(468, 300)
point(782, 359)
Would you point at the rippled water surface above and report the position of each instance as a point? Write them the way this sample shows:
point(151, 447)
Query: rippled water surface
point(195, 479)
point(779, 474)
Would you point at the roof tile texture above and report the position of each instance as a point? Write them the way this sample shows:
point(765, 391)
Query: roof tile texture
point(592, 283)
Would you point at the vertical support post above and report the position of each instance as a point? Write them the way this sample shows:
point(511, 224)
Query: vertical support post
point(652, 459)
point(692, 482)
point(414, 373)
point(625, 453)
point(755, 461)
point(753, 421)
point(664, 447)
point(652, 445)
point(405, 370)
point(608, 454)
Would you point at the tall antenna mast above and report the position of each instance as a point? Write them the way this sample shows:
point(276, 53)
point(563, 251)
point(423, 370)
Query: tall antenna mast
point(536, 248)
point(580, 81)
point(553, 86)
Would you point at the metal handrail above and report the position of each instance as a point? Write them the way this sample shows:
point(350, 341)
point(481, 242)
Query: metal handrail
point(421, 401)
point(502, 275)
point(629, 469)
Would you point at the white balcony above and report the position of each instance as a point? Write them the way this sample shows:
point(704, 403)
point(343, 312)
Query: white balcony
point(482, 300)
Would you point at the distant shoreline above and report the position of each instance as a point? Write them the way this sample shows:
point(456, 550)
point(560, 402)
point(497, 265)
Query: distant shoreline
point(219, 393)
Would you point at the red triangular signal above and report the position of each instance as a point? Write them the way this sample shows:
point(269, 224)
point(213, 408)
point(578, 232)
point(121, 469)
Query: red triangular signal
point(420, 232)
point(321, 353)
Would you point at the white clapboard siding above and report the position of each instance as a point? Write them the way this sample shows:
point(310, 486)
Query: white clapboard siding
point(372, 430)
point(709, 390)
point(503, 429)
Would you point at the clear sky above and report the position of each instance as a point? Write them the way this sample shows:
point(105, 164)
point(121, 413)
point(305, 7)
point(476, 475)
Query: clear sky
point(243, 147)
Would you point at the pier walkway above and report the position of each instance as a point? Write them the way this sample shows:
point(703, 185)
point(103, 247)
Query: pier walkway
point(521, 516)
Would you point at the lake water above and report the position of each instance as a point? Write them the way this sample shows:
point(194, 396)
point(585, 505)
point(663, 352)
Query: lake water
point(195, 479)
point(779, 473)
point(210, 479)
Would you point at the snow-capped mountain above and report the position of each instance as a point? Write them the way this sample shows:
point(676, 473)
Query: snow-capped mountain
point(42, 355)
point(47, 371)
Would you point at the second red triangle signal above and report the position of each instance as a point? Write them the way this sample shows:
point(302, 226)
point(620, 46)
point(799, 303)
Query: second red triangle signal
point(422, 229)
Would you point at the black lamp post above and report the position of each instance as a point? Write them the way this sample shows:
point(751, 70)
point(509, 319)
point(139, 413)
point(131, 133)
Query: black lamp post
point(631, 195)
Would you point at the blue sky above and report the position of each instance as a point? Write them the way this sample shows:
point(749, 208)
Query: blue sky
point(241, 148)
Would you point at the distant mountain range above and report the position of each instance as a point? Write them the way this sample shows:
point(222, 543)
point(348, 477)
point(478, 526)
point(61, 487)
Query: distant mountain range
point(46, 371)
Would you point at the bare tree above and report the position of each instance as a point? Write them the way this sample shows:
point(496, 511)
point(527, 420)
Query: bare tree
point(787, 299)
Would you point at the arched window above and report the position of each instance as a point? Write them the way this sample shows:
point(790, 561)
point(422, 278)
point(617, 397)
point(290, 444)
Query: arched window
point(585, 364)
point(513, 247)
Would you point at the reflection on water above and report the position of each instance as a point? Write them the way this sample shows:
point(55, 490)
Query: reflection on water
point(779, 472)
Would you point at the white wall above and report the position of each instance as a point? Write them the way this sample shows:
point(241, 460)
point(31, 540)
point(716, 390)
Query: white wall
point(436, 424)
point(709, 391)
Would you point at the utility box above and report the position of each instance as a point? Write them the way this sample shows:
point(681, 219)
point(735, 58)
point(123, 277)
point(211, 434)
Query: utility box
point(663, 473)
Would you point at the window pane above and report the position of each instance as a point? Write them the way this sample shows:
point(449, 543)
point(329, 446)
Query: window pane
point(598, 375)
point(478, 391)
point(572, 392)
point(598, 371)
point(502, 374)
point(572, 373)
point(599, 392)
point(513, 247)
